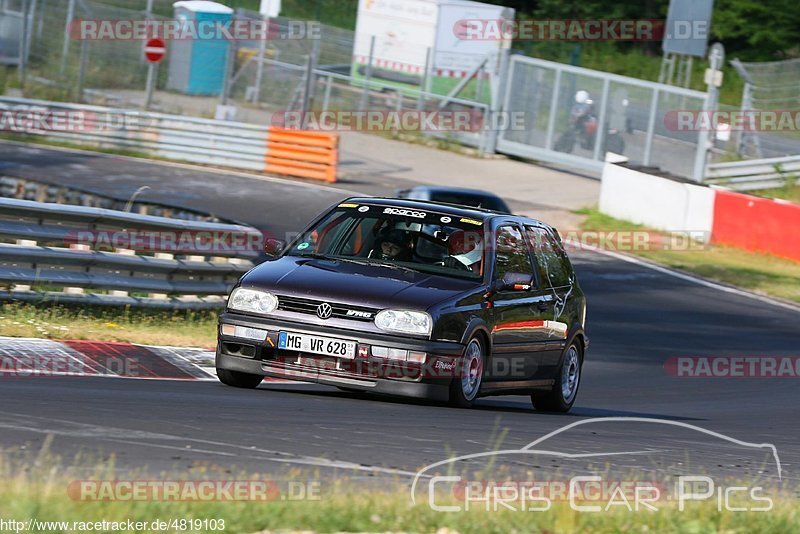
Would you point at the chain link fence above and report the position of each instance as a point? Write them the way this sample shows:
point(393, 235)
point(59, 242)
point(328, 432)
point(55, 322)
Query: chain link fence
point(318, 68)
point(770, 86)
point(308, 67)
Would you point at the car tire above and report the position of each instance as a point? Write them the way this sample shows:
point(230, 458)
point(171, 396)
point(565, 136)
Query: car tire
point(561, 398)
point(465, 387)
point(237, 379)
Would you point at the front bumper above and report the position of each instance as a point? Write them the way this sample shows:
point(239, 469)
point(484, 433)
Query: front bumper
point(366, 373)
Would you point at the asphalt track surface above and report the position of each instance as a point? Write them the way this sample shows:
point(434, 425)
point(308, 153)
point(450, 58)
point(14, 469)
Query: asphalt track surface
point(638, 318)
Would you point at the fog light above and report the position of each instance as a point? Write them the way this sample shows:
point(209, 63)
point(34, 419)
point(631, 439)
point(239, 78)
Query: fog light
point(244, 332)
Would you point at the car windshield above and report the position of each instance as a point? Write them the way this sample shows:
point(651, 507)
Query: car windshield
point(467, 199)
point(404, 238)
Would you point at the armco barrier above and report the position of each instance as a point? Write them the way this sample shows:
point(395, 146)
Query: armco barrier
point(302, 153)
point(211, 142)
point(641, 198)
point(753, 174)
point(757, 224)
point(125, 258)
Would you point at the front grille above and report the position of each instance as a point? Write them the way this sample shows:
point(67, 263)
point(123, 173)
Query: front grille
point(339, 311)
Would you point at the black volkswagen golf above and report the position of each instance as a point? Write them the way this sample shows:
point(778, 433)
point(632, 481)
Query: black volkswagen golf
point(412, 298)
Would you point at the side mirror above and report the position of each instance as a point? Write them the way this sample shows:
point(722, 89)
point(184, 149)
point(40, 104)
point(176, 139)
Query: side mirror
point(515, 282)
point(274, 247)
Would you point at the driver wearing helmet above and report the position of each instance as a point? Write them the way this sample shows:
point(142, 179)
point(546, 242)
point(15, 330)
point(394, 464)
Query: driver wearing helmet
point(393, 245)
point(466, 251)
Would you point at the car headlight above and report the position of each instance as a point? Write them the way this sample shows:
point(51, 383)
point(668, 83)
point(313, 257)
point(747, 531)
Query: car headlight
point(404, 322)
point(251, 300)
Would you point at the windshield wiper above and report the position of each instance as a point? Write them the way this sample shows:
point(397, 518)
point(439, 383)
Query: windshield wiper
point(393, 266)
point(357, 261)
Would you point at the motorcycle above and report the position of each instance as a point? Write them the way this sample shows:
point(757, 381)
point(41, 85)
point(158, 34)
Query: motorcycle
point(583, 125)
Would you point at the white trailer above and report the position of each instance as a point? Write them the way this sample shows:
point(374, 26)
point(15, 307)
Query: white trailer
point(405, 35)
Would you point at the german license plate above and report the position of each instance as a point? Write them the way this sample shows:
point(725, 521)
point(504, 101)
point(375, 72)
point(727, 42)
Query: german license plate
point(325, 346)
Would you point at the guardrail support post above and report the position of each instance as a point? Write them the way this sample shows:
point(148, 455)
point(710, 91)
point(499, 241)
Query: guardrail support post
point(327, 96)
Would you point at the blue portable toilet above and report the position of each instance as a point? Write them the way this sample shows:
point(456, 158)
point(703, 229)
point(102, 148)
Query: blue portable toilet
point(197, 65)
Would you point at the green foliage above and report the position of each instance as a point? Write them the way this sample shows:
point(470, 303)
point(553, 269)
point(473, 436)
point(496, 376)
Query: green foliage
point(749, 29)
point(758, 30)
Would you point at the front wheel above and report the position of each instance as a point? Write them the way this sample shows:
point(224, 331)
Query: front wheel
point(237, 379)
point(615, 144)
point(562, 396)
point(464, 387)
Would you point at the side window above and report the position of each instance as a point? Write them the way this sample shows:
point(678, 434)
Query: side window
point(551, 259)
point(512, 254)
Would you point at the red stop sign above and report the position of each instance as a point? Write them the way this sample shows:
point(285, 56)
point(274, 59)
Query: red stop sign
point(154, 50)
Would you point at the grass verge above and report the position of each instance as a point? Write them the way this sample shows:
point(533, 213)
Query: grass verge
point(148, 327)
point(40, 491)
point(760, 273)
point(790, 192)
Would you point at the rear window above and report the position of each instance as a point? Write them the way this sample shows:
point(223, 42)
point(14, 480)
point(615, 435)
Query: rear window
point(474, 201)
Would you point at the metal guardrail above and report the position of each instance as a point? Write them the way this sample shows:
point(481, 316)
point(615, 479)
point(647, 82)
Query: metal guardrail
point(753, 174)
point(212, 142)
point(167, 263)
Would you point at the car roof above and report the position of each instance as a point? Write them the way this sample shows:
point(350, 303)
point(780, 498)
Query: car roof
point(461, 190)
point(441, 207)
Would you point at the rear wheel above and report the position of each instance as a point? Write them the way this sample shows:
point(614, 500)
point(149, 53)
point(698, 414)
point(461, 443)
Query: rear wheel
point(565, 143)
point(464, 388)
point(562, 396)
point(237, 379)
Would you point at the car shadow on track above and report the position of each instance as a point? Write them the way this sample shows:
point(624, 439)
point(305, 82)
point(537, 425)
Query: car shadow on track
point(486, 404)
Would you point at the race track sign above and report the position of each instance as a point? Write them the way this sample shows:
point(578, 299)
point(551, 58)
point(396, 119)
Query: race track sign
point(154, 50)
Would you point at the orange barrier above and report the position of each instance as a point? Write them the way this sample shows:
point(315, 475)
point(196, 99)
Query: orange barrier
point(757, 224)
point(302, 153)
